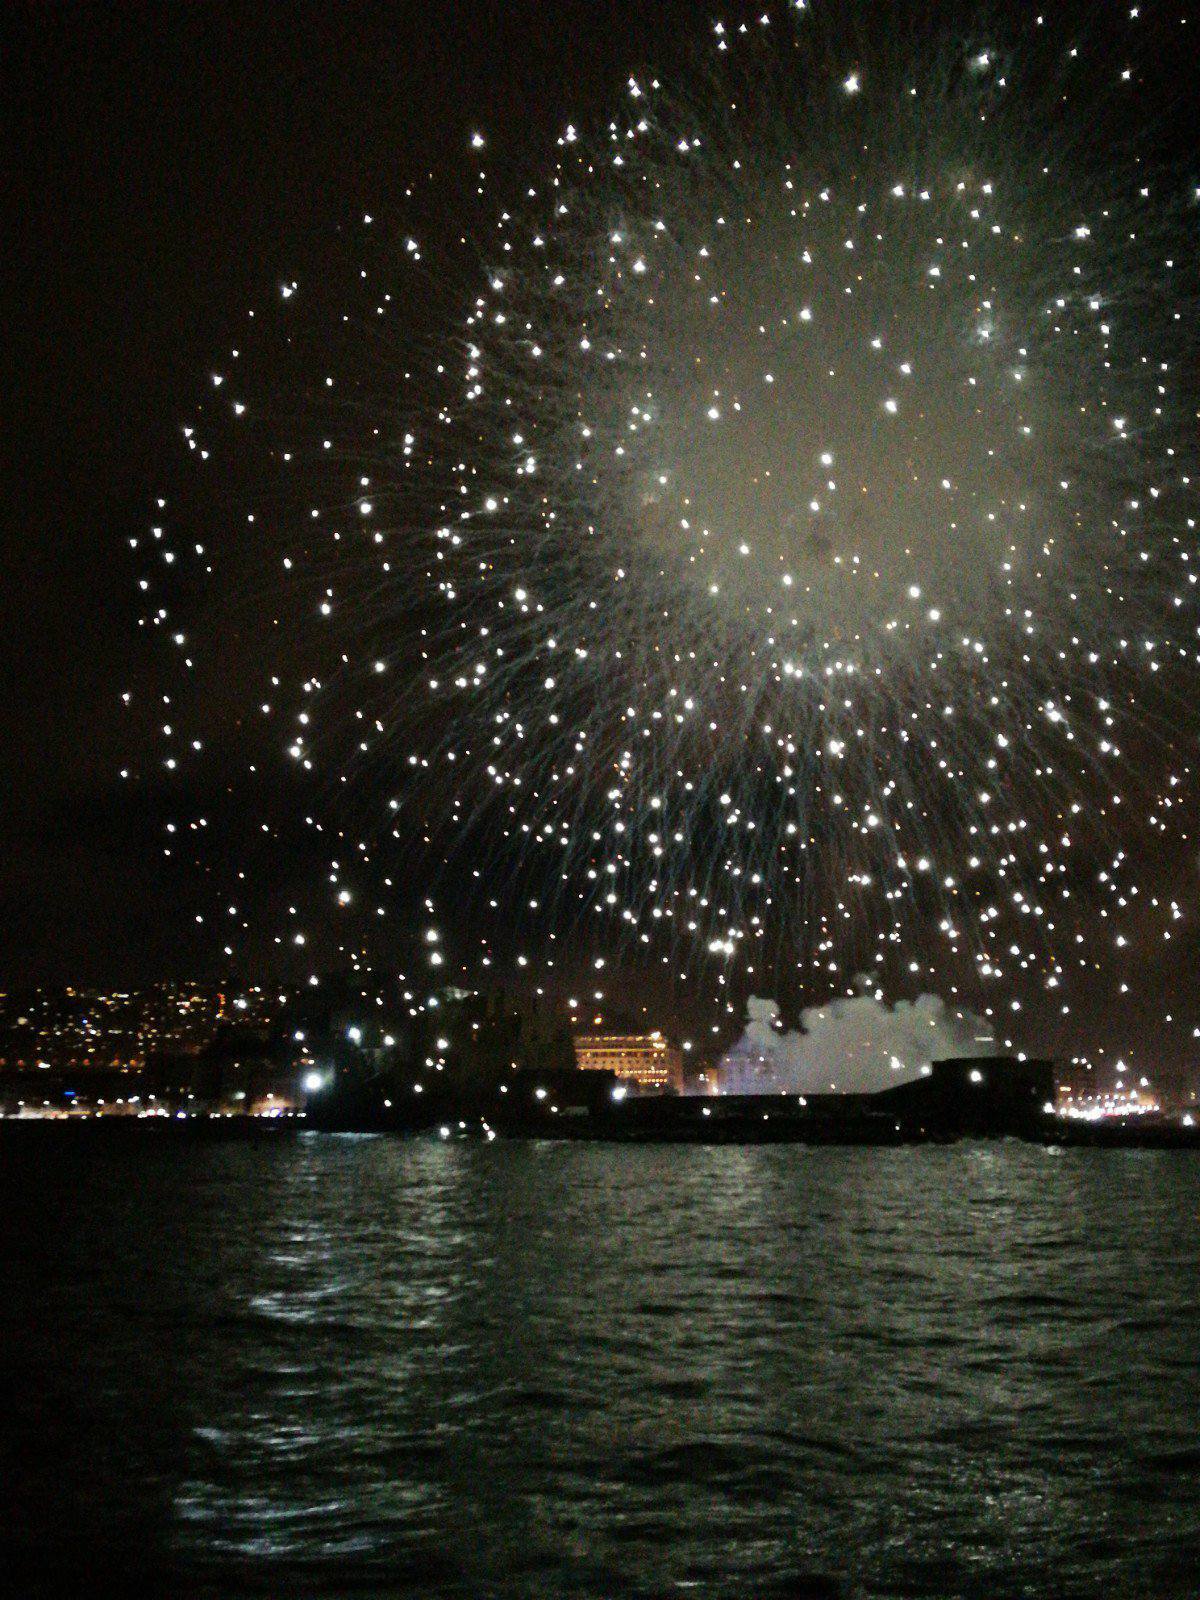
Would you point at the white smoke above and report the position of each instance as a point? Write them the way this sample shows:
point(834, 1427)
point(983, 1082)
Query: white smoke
point(855, 1045)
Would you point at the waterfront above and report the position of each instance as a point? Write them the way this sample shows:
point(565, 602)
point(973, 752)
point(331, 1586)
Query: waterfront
point(319, 1365)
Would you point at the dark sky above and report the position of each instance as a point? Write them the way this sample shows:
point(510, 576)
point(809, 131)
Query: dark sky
point(164, 164)
point(167, 167)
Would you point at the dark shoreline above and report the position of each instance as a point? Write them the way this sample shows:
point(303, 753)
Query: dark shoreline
point(964, 1097)
point(1158, 1135)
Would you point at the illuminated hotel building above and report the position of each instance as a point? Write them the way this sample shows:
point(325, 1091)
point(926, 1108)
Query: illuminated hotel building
point(642, 1058)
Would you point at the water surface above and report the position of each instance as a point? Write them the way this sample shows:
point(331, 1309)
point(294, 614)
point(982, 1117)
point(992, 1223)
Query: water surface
point(331, 1365)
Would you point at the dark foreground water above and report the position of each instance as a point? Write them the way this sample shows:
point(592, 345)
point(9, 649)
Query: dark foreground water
point(355, 1366)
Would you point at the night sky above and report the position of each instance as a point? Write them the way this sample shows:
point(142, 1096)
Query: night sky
point(166, 164)
point(169, 167)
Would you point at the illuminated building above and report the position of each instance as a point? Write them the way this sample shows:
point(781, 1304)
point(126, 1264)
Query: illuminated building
point(646, 1059)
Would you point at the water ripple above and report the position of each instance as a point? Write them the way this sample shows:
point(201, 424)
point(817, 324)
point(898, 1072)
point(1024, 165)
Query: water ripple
point(326, 1366)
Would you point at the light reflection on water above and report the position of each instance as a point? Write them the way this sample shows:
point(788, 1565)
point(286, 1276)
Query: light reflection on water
point(328, 1364)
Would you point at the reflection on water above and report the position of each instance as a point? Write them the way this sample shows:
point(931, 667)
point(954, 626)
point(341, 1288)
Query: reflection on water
point(322, 1365)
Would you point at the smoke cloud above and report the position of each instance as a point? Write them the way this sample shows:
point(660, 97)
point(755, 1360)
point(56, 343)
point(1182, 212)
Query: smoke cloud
point(855, 1045)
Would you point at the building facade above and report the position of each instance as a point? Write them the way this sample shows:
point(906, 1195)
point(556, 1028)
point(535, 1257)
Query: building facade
point(646, 1059)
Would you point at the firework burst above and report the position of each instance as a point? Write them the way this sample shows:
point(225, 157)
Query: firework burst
point(800, 572)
